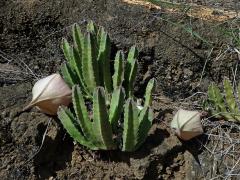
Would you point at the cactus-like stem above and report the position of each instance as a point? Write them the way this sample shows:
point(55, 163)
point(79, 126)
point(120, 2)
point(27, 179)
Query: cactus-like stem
point(118, 76)
point(92, 28)
point(231, 99)
point(132, 78)
point(72, 127)
point(104, 60)
point(101, 125)
point(78, 38)
point(74, 61)
point(68, 52)
point(133, 53)
point(78, 69)
point(69, 75)
point(238, 94)
point(82, 114)
point(116, 107)
point(148, 94)
point(90, 64)
point(145, 120)
point(88, 68)
point(130, 126)
point(131, 70)
point(215, 97)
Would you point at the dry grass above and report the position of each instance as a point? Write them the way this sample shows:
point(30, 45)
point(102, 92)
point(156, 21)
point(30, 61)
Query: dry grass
point(223, 148)
point(196, 11)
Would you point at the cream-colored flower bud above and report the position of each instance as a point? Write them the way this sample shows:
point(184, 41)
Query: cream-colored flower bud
point(49, 93)
point(187, 124)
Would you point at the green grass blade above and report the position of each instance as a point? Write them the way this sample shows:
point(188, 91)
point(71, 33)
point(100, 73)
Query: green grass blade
point(101, 125)
point(116, 107)
point(148, 94)
point(68, 121)
point(130, 126)
point(82, 113)
point(104, 60)
point(118, 76)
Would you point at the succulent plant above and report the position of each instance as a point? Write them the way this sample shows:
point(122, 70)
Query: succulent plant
point(136, 125)
point(224, 105)
point(88, 62)
point(94, 133)
point(87, 71)
point(97, 132)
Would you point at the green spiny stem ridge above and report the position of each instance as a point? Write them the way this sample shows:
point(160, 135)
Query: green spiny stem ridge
point(69, 75)
point(104, 60)
point(91, 27)
point(136, 125)
point(87, 71)
point(68, 53)
point(73, 128)
point(101, 124)
point(229, 108)
point(145, 123)
point(89, 59)
point(231, 99)
point(130, 126)
point(216, 99)
point(238, 94)
point(116, 107)
point(90, 64)
point(82, 113)
point(74, 67)
point(118, 76)
point(148, 94)
point(131, 70)
point(94, 134)
point(78, 38)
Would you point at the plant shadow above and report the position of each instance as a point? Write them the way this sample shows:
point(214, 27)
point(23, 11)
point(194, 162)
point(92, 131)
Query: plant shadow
point(152, 141)
point(51, 157)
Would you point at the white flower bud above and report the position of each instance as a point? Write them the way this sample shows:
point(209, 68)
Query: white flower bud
point(49, 93)
point(187, 124)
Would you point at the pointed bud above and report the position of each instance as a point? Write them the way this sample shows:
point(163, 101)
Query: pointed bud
point(49, 93)
point(187, 124)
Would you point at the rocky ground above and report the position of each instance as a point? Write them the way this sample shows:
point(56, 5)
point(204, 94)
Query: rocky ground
point(183, 51)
